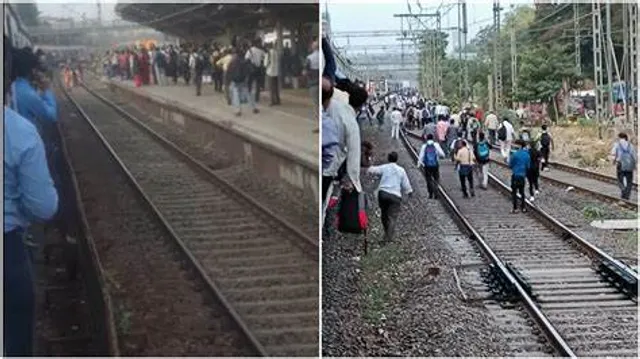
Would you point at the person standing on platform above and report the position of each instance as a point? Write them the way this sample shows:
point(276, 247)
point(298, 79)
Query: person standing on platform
point(255, 55)
point(238, 73)
point(199, 64)
point(29, 194)
point(272, 65)
point(311, 71)
point(224, 62)
point(172, 68)
point(217, 70)
point(159, 66)
point(144, 67)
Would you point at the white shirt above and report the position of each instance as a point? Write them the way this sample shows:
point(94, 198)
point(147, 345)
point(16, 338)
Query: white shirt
point(314, 60)
point(255, 56)
point(491, 121)
point(424, 148)
point(442, 110)
point(271, 63)
point(396, 117)
point(350, 145)
point(394, 179)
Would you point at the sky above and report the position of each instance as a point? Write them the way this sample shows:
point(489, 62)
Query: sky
point(358, 16)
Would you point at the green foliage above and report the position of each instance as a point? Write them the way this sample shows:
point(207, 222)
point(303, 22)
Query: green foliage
point(542, 69)
point(28, 13)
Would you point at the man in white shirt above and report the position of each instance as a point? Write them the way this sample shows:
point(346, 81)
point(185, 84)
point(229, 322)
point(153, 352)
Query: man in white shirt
point(505, 145)
point(312, 72)
point(272, 65)
point(393, 184)
point(255, 55)
point(396, 120)
point(491, 123)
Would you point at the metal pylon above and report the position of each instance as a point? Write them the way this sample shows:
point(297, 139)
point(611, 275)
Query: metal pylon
point(597, 61)
point(497, 65)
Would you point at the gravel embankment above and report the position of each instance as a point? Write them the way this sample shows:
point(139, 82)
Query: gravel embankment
point(391, 302)
point(577, 211)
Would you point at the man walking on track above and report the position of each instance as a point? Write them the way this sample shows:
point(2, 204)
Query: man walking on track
point(429, 159)
point(393, 184)
point(625, 158)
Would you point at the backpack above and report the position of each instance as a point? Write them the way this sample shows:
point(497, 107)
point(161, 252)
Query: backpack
point(545, 140)
point(626, 161)
point(483, 150)
point(425, 114)
point(502, 133)
point(430, 156)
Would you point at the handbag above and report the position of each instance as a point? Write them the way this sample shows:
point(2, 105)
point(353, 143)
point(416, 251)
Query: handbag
point(352, 214)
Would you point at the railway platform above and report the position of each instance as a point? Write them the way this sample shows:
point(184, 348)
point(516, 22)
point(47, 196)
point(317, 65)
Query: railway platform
point(279, 141)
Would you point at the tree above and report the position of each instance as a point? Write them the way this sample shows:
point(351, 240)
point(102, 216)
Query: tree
point(28, 13)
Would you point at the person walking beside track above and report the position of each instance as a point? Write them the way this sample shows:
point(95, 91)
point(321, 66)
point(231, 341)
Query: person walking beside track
point(393, 184)
point(519, 163)
point(506, 135)
point(396, 120)
point(533, 173)
point(429, 159)
point(482, 151)
point(546, 146)
point(465, 159)
point(491, 123)
point(625, 158)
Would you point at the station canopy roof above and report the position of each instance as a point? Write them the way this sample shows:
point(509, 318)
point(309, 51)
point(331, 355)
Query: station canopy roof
point(202, 20)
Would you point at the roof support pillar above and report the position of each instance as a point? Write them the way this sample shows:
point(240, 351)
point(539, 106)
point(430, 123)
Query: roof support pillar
point(279, 49)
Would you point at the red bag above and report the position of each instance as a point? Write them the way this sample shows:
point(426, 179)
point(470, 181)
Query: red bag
point(137, 80)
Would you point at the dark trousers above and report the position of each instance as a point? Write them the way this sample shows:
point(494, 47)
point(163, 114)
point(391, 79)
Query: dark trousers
point(465, 173)
point(544, 151)
point(19, 296)
point(389, 210)
point(274, 90)
point(197, 80)
point(187, 76)
point(517, 186)
point(625, 188)
point(433, 177)
point(492, 137)
point(254, 87)
point(155, 76)
point(533, 177)
point(217, 80)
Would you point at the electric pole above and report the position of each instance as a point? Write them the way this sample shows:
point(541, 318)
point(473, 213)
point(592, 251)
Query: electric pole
point(461, 80)
point(607, 60)
point(576, 34)
point(514, 63)
point(633, 50)
point(465, 70)
point(497, 66)
point(597, 60)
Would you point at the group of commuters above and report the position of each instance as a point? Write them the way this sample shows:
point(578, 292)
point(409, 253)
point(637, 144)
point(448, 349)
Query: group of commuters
point(240, 71)
point(30, 194)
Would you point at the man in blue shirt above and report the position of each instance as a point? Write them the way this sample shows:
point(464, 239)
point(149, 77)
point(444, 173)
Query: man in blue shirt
point(520, 162)
point(29, 194)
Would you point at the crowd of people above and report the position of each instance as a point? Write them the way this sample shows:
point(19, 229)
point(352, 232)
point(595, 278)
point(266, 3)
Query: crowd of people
point(240, 71)
point(31, 187)
point(466, 137)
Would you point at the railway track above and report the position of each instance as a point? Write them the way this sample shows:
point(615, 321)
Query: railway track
point(584, 301)
point(262, 269)
point(594, 184)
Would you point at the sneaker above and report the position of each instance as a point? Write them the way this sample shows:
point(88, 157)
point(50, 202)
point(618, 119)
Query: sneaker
point(514, 211)
point(537, 192)
point(532, 198)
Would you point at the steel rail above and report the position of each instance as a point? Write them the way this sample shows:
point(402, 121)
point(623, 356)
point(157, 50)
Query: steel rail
point(550, 331)
point(211, 286)
point(583, 172)
point(211, 175)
